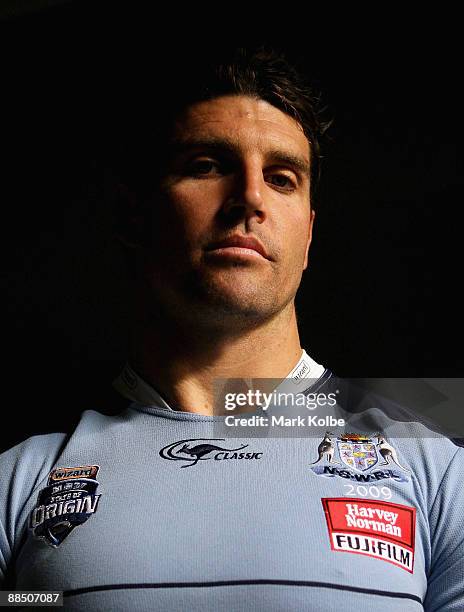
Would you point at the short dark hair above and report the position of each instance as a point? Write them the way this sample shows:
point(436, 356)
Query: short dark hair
point(261, 73)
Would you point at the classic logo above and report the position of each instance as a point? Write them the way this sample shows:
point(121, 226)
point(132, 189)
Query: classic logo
point(196, 449)
point(68, 500)
point(374, 528)
point(361, 454)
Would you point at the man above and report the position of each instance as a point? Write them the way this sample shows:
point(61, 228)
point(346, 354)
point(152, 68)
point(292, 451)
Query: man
point(166, 506)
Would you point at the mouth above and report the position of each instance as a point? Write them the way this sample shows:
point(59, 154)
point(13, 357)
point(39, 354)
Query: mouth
point(238, 246)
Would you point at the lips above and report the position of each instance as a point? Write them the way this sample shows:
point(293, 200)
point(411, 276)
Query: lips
point(244, 242)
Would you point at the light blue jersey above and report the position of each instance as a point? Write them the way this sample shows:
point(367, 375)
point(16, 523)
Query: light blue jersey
point(152, 510)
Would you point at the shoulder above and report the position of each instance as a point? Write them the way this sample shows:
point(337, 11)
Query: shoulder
point(22, 468)
point(401, 416)
point(25, 466)
point(31, 457)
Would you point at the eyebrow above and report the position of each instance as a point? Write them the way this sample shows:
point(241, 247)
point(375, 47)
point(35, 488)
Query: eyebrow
point(221, 145)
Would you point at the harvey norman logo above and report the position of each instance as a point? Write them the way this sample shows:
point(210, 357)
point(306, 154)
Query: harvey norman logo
point(377, 529)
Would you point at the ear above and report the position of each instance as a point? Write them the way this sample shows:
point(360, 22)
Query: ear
point(310, 236)
point(129, 217)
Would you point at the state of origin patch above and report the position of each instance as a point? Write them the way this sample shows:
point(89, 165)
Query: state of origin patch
point(374, 528)
point(68, 500)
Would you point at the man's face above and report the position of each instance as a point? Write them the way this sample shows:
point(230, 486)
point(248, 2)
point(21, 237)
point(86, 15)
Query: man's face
point(238, 170)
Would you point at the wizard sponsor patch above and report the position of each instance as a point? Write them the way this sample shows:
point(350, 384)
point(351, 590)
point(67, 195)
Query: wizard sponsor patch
point(69, 499)
point(379, 529)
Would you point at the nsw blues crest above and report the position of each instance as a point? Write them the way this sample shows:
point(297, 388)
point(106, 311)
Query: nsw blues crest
point(69, 499)
point(357, 452)
point(360, 457)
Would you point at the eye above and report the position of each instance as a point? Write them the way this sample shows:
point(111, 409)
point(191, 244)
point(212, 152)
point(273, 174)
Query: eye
point(282, 181)
point(202, 167)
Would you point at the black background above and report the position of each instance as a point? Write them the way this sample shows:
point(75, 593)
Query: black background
point(383, 293)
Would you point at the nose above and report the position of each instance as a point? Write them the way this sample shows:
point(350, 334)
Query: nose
point(246, 197)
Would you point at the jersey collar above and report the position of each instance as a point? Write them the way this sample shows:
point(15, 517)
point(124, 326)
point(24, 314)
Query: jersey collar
point(134, 388)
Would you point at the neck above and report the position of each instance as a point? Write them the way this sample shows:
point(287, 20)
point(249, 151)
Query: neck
point(183, 364)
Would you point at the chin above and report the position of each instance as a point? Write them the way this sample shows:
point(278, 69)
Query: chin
point(227, 299)
point(232, 304)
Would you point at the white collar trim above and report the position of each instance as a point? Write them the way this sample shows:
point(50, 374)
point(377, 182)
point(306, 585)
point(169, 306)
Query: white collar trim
point(133, 387)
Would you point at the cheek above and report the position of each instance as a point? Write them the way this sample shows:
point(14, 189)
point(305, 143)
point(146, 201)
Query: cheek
point(296, 236)
point(182, 220)
point(297, 252)
point(192, 206)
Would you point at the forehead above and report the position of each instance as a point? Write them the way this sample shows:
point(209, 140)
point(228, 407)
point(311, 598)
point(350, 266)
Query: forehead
point(248, 122)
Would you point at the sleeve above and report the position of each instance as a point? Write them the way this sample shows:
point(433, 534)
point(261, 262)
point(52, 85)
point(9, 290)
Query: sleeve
point(446, 580)
point(22, 468)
